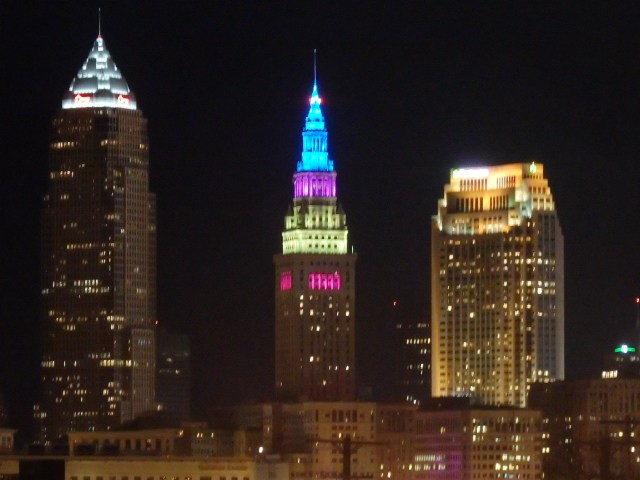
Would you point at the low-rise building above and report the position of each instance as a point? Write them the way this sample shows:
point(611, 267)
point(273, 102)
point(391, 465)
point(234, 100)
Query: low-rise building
point(592, 427)
point(6, 440)
point(97, 467)
point(478, 443)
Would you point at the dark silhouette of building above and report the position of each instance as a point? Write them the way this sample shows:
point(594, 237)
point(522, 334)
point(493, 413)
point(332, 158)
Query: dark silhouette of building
point(411, 356)
point(173, 373)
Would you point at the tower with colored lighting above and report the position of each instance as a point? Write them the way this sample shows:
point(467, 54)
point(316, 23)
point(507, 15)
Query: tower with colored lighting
point(497, 279)
point(98, 258)
point(315, 280)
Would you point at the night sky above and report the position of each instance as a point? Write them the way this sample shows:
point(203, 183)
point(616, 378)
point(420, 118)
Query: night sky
point(410, 90)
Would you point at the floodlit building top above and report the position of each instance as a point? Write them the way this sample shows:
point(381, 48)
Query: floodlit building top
point(99, 83)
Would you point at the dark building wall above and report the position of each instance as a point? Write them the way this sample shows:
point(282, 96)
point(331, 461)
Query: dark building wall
point(42, 469)
point(173, 373)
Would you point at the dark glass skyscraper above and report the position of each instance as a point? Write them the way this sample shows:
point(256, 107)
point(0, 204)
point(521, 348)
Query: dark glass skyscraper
point(98, 258)
point(173, 373)
point(315, 280)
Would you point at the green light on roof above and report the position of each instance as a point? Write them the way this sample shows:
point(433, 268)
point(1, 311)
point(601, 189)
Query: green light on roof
point(532, 167)
point(625, 349)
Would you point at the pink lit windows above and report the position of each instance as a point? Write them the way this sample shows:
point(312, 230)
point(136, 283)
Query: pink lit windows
point(314, 184)
point(324, 281)
point(285, 280)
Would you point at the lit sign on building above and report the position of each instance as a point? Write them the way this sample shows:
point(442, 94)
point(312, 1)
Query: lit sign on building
point(625, 349)
point(82, 98)
point(324, 281)
point(122, 99)
point(468, 173)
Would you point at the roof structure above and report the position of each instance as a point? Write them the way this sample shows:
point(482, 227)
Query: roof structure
point(315, 156)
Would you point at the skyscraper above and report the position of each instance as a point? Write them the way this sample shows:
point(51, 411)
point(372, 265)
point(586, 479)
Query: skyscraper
point(315, 280)
point(410, 376)
point(497, 279)
point(98, 257)
point(173, 373)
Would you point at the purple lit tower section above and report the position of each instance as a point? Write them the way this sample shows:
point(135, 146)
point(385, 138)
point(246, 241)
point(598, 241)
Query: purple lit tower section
point(315, 280)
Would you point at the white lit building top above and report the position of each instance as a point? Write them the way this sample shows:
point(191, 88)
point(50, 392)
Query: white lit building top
point(484, 200)
point(99, 83)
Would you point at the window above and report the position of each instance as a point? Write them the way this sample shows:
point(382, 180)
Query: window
point(324, 281)
point(285, 280)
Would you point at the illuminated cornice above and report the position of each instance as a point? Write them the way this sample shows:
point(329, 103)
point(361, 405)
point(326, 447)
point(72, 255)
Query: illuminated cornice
point(493, 199)
point(99, 83)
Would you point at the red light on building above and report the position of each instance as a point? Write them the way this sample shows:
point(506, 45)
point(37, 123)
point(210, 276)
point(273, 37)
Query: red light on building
point(82, 98)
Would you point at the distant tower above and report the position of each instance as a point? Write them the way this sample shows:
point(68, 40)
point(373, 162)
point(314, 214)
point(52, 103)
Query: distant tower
point(497, 279)
point(98, 258)
point(173, 370)
point(315, 280)
point(411, 356)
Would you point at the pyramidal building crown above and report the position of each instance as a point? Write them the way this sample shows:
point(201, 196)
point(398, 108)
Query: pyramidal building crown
point(315, 155)
point(99, 83)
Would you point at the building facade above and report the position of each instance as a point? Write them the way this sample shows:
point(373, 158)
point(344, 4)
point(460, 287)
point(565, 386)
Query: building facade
point(315, 280)
point(592, 426)
point(497, 279)
point(98, 258)
point(411, 357)
point(449, 439)
point(149, 467)
point(327, 439)
point(478, 443)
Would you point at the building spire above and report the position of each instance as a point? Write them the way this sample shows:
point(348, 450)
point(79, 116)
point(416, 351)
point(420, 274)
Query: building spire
point(315, 156)
point(315, 115)
point(99, 22)
point(315, 70)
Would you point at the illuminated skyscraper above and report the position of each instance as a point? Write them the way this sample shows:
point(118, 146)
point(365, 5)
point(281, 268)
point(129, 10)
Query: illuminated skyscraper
point(98, 257)
point(497, 279)
point(315, 280)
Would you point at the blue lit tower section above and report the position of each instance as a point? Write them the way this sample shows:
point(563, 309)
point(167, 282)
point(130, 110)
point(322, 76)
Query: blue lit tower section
point(315, 280)
point(98, 258)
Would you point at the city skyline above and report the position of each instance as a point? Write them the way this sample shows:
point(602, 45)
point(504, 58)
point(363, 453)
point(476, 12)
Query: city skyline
point(436, 89)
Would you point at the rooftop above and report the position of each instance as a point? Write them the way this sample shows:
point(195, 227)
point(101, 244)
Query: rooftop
point(99, 83)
